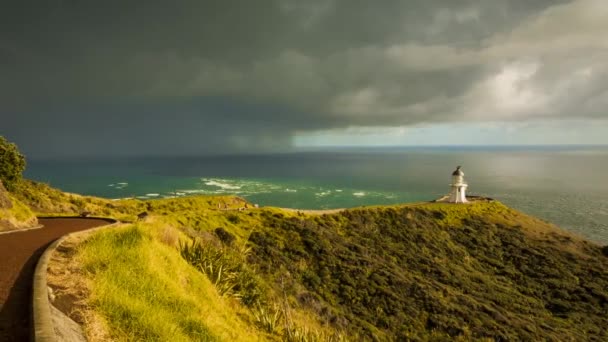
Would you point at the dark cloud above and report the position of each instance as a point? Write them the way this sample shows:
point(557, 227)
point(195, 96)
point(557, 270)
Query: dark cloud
point(197, 76)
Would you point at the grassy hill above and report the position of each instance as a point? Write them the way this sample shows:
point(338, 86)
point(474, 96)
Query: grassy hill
point(438, 271)
point(215, 269)
point(13, 213)
point(430, 271)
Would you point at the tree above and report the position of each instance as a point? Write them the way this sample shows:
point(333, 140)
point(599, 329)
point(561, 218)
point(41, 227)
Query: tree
point(12, 163)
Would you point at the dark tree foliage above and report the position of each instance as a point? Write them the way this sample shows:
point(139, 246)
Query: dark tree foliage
point(12, 163)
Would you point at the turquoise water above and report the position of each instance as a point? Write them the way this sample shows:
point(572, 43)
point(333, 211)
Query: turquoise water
point(564, 185)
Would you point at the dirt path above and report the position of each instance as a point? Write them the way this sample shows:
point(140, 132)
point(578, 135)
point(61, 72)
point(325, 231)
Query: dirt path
point(19, 253)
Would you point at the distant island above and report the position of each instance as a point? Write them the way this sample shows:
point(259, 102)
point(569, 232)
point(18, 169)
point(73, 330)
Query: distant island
point(217, 268)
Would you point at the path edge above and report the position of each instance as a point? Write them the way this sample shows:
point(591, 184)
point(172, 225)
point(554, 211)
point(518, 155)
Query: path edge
point(12, 231)
point(42, 326)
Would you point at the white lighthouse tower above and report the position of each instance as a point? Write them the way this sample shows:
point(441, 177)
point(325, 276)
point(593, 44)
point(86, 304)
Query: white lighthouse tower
point(459, 187)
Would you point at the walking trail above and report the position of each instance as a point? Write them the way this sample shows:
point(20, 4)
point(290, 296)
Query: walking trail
point(19, 253)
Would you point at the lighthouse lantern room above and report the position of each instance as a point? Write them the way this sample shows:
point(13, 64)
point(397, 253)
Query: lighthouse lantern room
point(458, 187)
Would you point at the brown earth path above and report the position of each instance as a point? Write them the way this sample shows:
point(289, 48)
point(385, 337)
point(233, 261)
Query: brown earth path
point(19, 253)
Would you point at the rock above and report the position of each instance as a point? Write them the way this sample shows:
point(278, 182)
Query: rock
point(51, 294)
point(65, 328)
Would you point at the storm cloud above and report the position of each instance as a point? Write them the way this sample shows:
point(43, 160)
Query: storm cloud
point(157, 77)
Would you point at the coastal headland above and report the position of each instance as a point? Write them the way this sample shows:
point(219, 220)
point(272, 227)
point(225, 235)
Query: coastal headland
point(183, 269)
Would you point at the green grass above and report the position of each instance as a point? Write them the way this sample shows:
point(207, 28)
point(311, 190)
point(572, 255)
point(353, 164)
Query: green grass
point(423, 271)
point(146, 291)
point(17, 216)
point(420, 271)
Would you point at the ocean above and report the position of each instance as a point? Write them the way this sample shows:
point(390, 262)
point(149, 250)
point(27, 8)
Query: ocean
point(566, 185)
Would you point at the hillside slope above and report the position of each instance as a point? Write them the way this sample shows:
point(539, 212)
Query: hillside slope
point(13, 213)
point(434, 271)
point(438, 271)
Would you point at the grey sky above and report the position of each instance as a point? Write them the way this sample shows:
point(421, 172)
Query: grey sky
point(157, 77)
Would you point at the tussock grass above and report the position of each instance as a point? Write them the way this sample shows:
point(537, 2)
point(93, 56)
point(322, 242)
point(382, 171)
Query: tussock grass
point(169, 236)
point(145, 291)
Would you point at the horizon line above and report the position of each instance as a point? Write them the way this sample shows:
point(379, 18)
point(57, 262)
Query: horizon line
point(306, 149)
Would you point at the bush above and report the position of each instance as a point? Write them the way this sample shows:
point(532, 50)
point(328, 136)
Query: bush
point(224, 236)
point(233, 218)
point(12, 163)
point(226, 268)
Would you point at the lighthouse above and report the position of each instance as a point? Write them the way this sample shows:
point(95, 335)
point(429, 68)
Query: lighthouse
point(458, 187)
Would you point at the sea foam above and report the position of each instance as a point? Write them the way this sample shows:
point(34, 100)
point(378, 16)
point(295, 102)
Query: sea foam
point(222, 184)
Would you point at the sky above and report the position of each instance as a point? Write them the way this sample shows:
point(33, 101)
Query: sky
point(110, 78)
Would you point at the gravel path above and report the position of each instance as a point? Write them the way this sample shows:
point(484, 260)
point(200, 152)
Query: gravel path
point(19, 253)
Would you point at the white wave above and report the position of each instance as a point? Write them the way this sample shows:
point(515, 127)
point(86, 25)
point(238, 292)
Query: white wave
point(221, 184)
point(338, 190)
point(291, 190)
point(122, 184)
point(323, 193)
point(153, 195)
point(359, 194)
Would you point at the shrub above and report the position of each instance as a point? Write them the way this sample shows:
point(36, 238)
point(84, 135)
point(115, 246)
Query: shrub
point(226, 269)
point(233, 218)
point(12, 163)
point(224, 236)
point(268, 318)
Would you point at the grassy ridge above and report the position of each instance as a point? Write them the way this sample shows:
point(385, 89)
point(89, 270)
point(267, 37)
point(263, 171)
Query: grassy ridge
point(429, 271)
point(45, 200)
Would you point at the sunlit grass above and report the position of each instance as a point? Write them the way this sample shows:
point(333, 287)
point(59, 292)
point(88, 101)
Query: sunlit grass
point(146, 291)
point(18, 215)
